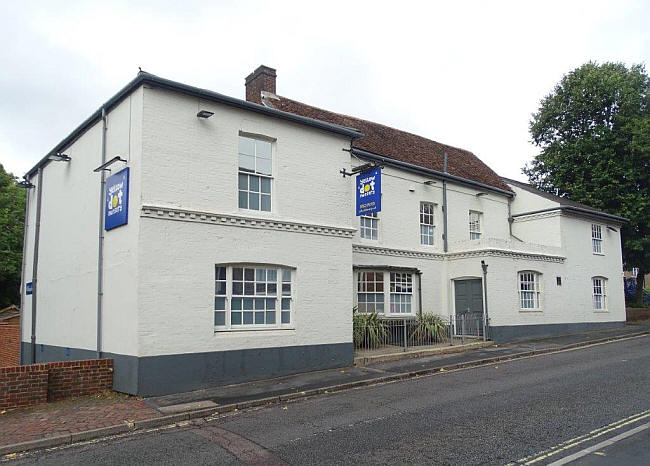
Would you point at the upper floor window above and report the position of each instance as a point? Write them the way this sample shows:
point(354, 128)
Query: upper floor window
point(529, 290)
point(255, 174)
point(599, 293)
point(252, 297)
point(596, 239)
point(474, 224)
point(426, 223)
point(369, 226)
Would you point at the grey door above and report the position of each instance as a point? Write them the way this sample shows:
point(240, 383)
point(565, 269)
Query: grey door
point(469, 302)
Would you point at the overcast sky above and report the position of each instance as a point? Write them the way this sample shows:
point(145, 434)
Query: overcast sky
point(468, 74)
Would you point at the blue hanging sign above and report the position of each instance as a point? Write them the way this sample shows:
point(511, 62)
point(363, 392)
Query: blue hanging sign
point(369, 192)
point(116, 208)
point(29, 288)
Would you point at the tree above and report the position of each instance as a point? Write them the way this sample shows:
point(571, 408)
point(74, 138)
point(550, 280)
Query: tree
point(594, 134)
point(12, 221)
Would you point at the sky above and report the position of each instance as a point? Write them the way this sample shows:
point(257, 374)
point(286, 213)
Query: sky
point(467, 73)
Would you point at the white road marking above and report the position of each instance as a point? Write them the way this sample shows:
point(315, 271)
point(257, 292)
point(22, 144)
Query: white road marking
point(606, 443)
point(571, 443)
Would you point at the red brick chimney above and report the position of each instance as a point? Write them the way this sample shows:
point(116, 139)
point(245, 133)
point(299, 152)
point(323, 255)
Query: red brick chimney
point(262, 79)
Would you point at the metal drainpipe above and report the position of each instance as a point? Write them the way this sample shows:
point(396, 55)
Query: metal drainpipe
point(419, 292)
point(444, 207)
point(485, 302)
point(22, 282)
point(510, 220)
point(100, 254)
point(37, 232)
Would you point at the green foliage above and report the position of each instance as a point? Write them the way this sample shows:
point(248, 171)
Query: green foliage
point(12, 220)
point(430, 328)
point(594, 134)
point(369, 330)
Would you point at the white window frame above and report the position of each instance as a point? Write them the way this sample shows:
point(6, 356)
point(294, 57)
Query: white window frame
point(369, 226)
point(599, 294)
point(597, 239)
point(226, 304)
point(398, 291)
point(253, 184)
point(475, 223)
point(427, 223)
point(368, 282)
point(529, 287)
point(401, 293)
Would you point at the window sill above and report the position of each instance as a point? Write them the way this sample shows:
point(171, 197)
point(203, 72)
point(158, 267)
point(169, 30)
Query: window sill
point(251, 329)
point(539, 311)
point(601, 311)
point(598, 253)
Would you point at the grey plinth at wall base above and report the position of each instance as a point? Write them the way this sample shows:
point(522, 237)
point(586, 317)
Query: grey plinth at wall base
point(506, 333)
point(174, 373)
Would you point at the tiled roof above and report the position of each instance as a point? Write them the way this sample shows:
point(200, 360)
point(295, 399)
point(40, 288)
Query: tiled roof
point(400, 145)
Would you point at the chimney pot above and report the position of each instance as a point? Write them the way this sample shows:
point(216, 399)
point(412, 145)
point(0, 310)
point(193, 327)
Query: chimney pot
point(262, 79)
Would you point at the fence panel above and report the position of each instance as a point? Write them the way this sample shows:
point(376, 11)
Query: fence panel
point(377, 333)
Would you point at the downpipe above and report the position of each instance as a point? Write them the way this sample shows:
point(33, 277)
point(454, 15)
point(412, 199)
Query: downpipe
point(37, 233)
point(444, 207)
point(100, 248)
point(23, 290)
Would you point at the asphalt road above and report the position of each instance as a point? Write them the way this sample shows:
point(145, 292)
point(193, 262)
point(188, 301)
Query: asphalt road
point(546, 407)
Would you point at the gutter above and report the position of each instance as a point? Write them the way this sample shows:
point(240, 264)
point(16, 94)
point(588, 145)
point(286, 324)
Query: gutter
point(428, 171)
point(577, 210)
point(146, 78)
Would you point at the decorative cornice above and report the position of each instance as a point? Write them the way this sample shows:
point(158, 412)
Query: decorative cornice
point(493, 252)
point(192, 216)
point(536, 216)
point(487, 252)
point(396, 252)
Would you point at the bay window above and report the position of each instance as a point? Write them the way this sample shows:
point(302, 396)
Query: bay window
point(377, 287)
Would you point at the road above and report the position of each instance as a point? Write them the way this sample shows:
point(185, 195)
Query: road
point(542, 409)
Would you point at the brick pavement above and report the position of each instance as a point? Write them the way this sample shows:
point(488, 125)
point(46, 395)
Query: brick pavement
point(71, 415)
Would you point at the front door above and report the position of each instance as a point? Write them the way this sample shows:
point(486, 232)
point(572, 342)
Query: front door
point(469, 301)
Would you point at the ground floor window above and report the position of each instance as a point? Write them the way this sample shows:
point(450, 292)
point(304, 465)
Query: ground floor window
point(529, 290)
point(376, 287)
point(249, 297)
point(599, 285)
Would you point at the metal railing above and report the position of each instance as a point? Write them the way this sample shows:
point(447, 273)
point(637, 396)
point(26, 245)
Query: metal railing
point(375, 333)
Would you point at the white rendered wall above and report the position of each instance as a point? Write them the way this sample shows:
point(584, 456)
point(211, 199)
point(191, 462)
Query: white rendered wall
point(399, 219)
point(582, 264)
point(525, 201)
point(192, 164)
point(68, 246)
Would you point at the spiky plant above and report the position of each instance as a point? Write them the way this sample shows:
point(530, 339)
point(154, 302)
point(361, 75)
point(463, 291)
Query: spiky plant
point(430, 328)
point(369, 330)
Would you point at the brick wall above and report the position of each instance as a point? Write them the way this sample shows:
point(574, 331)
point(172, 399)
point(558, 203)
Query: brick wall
point(9, 345)
point(76, 378)
point(22, 386)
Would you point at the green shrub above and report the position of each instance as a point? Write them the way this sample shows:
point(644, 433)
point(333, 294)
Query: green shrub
point(369, 330)
point(430, 328)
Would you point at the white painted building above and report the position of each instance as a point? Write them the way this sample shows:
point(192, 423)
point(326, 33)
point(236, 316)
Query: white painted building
point(242, 257)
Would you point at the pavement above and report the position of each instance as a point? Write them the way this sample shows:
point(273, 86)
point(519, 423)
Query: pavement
point(86, 418)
